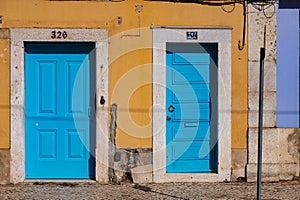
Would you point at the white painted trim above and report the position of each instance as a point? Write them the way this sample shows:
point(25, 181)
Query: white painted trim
point(205, 35)
point(18, 37)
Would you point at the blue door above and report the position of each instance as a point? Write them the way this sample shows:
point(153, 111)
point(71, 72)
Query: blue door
point(58, 112)
point(188, 110)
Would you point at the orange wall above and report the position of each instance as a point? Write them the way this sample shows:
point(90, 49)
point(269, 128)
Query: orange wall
point(130, 56)
point(4, 93)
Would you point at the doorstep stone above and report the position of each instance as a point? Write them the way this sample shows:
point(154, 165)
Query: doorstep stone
point(142, 174)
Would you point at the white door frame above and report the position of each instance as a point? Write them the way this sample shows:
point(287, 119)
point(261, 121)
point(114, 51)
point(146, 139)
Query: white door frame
point(17, 92)
point(222, 36)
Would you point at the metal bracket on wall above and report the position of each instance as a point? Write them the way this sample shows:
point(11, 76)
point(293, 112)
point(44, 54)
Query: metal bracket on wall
point(138, 10)
point(241, 46)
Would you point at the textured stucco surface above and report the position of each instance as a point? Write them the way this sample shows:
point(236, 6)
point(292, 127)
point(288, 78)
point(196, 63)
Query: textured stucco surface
point(127, 53)
point(238, 163)
point(4, 166)
point(130, 48)
point(4, 89)
point(280, 154)
point(256, 23)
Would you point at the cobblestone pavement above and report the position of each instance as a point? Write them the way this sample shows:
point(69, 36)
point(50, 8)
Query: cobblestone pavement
point(74, 191)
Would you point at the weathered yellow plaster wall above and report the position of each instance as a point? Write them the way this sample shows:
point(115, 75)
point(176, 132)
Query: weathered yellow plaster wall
point(130, 55)
point(4, 89)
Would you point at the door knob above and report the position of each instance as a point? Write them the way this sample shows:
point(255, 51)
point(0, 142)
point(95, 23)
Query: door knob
point(171, 108)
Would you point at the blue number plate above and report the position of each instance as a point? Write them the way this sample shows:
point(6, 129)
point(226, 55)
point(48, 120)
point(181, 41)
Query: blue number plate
point(191, 35)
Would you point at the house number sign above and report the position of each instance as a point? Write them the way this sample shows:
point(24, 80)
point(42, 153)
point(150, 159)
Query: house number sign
point(59, 34)
point(191, 35)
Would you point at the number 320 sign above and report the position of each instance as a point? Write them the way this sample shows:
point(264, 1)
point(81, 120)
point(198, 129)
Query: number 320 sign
point(59, 34)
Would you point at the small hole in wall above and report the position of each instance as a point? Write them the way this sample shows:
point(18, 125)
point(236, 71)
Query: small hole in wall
point(119, 20)
point(0, 19)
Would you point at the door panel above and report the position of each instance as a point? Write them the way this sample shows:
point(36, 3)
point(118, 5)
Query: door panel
point(191, 131)
point(77, 74)
point(48, 86)
point(74, 148)
point(186, 93)
point(57, 100)
point(184, 150)
point(47, 144)
point(188, 124)
point(191, 111)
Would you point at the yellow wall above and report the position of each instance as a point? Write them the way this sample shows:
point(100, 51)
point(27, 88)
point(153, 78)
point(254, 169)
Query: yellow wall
point(130, 57)
point(4, 91)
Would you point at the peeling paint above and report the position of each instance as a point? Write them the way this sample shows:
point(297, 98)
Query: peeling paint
point(4, 33)
point(4, 166)
point(122, 161)
point(294, 146)
point(239, 160)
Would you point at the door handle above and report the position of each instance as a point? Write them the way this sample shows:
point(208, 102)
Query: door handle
point(171, 108)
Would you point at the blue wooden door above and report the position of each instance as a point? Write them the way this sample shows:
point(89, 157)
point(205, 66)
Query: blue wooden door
point(188, 112)
point(57, 101)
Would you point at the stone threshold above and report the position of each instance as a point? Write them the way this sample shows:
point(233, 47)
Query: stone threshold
point(59, 181)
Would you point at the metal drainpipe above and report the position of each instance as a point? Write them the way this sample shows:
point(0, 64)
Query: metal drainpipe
point(260, 121)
